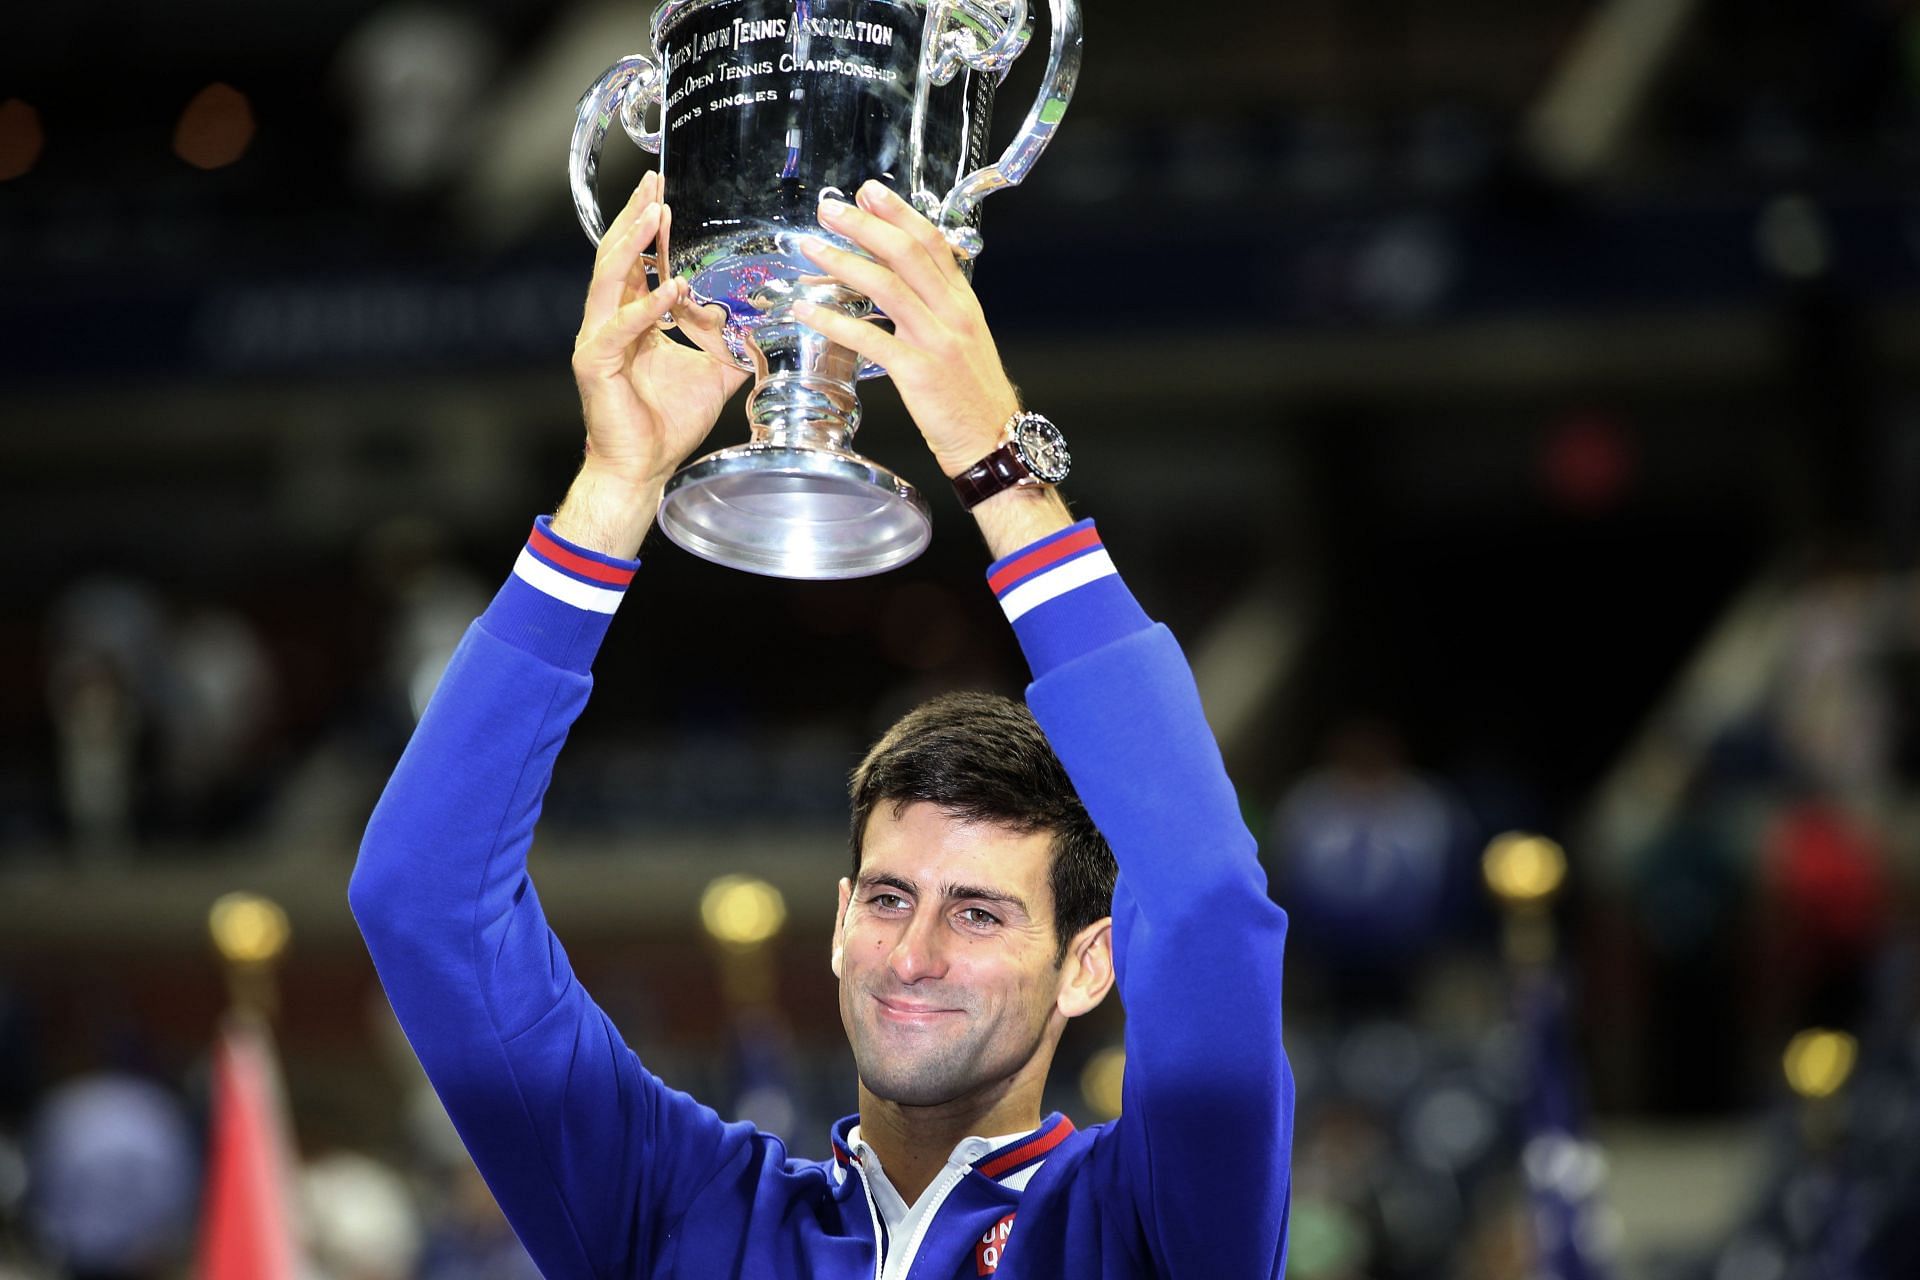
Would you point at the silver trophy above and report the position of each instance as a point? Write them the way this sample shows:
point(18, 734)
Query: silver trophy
point(764, 108)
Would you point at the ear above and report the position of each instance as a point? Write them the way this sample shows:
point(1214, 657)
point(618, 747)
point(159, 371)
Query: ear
point(1087, 974)
point(840, 923)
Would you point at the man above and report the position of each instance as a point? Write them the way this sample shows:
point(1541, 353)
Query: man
point(958, 945)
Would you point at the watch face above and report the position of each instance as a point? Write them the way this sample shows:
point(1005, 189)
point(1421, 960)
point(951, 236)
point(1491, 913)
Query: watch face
point(1043, 449)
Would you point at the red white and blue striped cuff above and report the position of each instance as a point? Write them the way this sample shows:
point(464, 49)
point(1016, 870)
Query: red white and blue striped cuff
point(1064, 597)
point(559, 600)
point(1048, 569)
point(583, 579)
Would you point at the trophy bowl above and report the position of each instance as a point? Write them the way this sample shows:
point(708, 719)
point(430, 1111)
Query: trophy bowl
point(762, 108)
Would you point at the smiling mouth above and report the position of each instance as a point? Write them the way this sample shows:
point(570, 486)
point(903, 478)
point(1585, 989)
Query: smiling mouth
point(910, 1013)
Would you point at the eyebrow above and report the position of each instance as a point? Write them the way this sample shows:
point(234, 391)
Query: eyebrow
point(952, 892)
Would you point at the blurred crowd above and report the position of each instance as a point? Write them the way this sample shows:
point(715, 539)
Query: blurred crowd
point(103, 1183)
point(176, 723)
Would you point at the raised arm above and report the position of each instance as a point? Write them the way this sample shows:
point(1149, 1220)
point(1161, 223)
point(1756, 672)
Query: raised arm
point(647, 402)
point(1203, 1147)
point(590, 1156)
point(1206, 1130)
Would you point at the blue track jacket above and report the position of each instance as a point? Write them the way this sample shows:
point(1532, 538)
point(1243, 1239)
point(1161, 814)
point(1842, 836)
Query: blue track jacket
point(607, 1172)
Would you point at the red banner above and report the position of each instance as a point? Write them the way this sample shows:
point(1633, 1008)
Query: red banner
point(246, 1218)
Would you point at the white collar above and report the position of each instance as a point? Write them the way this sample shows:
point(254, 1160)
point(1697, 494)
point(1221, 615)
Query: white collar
point(904, 1222)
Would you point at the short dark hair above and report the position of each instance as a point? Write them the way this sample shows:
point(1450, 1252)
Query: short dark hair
point(980, 757)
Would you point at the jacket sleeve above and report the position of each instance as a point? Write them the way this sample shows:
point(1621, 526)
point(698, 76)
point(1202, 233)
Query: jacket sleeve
point(1206, 1133)
point(590, 1156)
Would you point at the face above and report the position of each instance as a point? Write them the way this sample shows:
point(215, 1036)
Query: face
point(945, 951)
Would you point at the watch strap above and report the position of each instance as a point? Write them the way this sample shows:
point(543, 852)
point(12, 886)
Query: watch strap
point(998, 471)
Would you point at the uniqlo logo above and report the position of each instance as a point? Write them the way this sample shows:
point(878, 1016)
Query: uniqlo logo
point(993, 1246)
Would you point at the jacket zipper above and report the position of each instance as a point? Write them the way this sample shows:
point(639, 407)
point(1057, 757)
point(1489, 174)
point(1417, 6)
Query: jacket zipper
point(873, 1212)
point(948, 1181)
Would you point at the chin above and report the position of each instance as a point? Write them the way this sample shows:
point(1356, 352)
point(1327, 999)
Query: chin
point(927, 1085)
point(920, 1093)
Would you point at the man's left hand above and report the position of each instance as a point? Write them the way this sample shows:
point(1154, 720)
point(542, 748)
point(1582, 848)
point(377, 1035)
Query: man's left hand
point(940, 355)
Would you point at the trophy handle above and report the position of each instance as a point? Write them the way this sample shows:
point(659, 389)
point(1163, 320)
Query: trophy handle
point(1056, 90)
point(963, 25)
point(627, 89)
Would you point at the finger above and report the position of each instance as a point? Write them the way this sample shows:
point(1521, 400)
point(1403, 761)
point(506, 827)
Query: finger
point(606, 351)
point(863, 337)
point(611, 276)
point(615, 247)
point(885, 203)
point(903, 306)
point(645, 193)
point(655, 261)
point(890, 245)
point(622, 276)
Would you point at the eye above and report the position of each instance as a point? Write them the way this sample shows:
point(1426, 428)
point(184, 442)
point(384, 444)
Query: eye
point(887, 901)
point(979, 916)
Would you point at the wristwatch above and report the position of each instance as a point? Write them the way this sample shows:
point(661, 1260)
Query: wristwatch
point(1032, 453)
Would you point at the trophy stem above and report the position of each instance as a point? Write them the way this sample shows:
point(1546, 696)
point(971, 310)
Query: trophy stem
point(796, 501)
point(804, 411)
point(805, 387)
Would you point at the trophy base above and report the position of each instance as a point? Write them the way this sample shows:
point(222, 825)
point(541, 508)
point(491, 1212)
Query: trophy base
point(791, 512)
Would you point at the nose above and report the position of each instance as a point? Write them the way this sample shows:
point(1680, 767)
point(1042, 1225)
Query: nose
point(919, 952)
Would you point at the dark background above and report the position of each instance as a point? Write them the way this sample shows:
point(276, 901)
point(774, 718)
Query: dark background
point(1511, 406)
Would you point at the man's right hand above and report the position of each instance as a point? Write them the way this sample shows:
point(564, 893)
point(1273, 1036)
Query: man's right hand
point(648, 400)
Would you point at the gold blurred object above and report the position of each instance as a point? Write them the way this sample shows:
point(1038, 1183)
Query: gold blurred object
point(21, 138)
point(215, 127)
point(1101, 1079)
point(1525, 871)
point(742, 911)
point(1522, 868)
point(249, 929)
point(1818, 1062)
point(742, 914)
point(251, 933)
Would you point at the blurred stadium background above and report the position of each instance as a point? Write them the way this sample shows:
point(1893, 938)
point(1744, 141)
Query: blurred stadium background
point(1514, 407)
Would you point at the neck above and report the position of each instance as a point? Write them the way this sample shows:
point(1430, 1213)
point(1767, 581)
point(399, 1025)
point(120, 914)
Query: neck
point(913, 1143)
